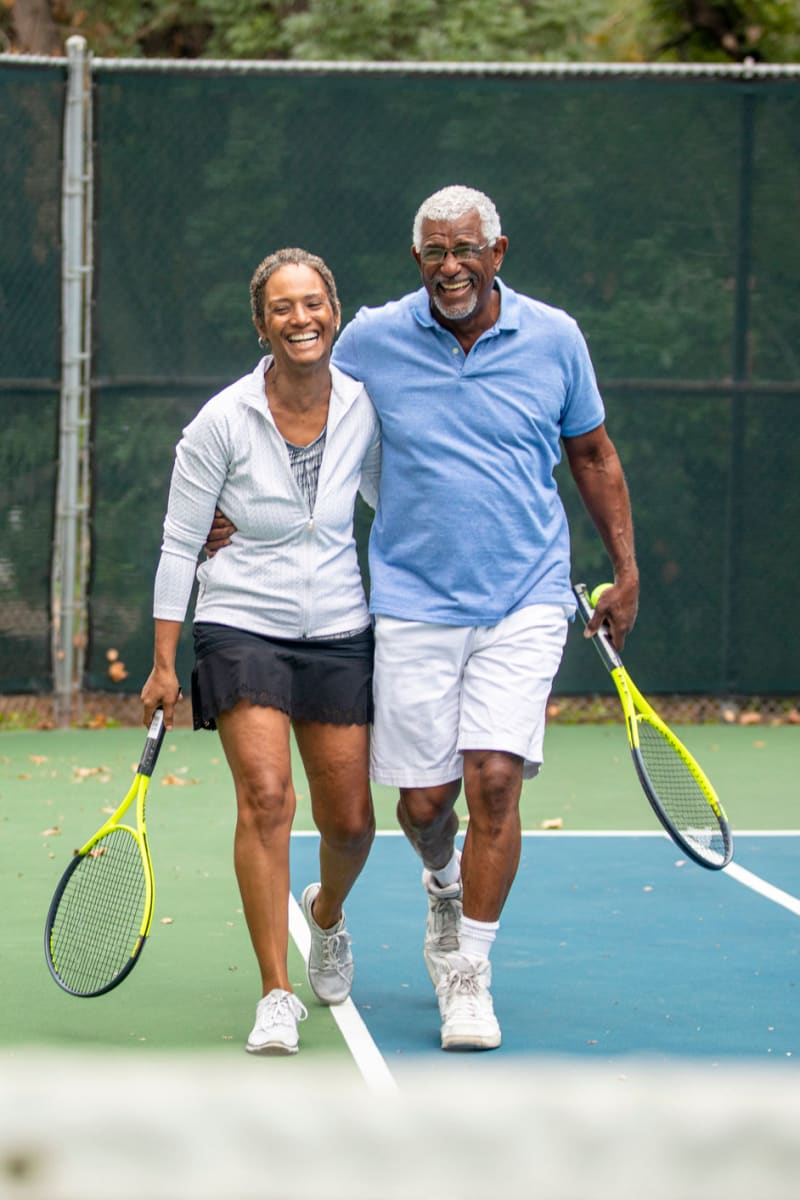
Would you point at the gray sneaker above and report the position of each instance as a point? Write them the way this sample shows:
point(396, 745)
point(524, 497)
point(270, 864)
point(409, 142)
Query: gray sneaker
point(443, 925)
point(275, 1030)
point(465, 1004)
point(330, 962)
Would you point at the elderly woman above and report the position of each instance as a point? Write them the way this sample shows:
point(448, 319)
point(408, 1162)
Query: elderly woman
point(282, 635)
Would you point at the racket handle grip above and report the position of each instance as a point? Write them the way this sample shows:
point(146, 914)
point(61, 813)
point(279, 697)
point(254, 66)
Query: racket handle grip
point(155, 736)
point(602, 642)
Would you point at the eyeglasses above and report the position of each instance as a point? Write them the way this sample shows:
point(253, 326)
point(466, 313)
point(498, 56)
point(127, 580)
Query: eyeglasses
point(462, 252)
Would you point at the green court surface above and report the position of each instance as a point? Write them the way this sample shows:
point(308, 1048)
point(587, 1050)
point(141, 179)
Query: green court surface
point(199, 987)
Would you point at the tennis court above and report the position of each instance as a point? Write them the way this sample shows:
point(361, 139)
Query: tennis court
point(617, 958)
point(614, 927)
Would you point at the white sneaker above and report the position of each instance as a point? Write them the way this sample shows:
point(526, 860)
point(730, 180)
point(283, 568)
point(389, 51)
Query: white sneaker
point(443, 925)
point(465, 1003)
point(275, 1030)
point(330, 962)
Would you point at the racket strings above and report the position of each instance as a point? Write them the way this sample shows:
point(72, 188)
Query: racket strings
point(100, 915)
point(680, 793)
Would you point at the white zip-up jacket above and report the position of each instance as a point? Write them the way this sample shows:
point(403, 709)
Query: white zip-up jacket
point(289, 572)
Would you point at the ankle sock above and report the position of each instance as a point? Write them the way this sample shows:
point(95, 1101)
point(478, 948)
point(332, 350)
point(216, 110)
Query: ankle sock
point(450, 872)
point(476, 937)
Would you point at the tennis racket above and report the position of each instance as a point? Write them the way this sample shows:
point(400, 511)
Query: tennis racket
point(678, 789)
point(102, 909)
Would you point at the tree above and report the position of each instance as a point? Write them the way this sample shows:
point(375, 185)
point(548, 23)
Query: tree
point(34, 28)
point(415, 30)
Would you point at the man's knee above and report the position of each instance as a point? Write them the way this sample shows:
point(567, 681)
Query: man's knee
point(428, 808)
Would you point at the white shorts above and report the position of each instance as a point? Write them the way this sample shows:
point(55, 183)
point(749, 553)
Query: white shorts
point(443, 689)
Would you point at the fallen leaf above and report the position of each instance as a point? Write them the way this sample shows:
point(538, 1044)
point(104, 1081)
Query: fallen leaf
point(37, 759)
point(97, 852)
point(166, 921)
point(552, 823)
point(173, 781)
point(54, 832)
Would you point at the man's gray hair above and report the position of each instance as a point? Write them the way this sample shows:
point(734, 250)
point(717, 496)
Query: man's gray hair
point(450, 203)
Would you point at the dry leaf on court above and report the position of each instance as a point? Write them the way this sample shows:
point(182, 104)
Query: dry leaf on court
point(166, 921)
point(54, 832)
point(37, 759)
point(552, 823)
point(173, 781)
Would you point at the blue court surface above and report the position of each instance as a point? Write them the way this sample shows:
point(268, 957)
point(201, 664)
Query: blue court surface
point(610, 945)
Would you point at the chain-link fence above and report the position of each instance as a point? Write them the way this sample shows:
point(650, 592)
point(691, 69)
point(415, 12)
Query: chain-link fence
point(658, 207)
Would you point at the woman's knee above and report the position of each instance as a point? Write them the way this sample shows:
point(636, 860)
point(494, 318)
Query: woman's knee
point(266, 802)
point(349, 828)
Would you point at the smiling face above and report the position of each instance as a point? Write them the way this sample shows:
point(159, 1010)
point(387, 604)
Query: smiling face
point(299, 321)
point(461, 288)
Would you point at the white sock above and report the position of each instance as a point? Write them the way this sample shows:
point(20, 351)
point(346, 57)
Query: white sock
point(450, 872)
point(476, 937)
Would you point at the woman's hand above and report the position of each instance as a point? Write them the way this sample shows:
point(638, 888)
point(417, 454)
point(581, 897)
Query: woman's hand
point(161, 690)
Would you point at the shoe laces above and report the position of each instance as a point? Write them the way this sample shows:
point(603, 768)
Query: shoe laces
point(281, 1006)
point(444, 914)
point(334, 948)
point(467, 988)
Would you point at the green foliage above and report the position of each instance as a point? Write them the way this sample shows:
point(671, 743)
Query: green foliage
point(443, 30)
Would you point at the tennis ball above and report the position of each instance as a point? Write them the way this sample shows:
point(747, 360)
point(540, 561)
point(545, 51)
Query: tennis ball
point(598, 591)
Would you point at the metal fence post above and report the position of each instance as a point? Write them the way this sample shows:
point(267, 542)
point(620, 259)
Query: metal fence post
point(71, 548)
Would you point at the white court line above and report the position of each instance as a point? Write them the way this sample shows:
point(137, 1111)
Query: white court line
point(366, 1054)
point(765, 889)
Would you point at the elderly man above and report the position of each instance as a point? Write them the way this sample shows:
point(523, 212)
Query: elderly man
point(477, 388)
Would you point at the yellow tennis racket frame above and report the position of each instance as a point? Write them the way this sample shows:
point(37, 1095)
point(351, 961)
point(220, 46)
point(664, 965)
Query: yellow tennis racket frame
point(636, 709)
point(55, 932)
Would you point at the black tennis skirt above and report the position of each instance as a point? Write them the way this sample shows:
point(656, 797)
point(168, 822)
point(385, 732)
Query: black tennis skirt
point(319, 679)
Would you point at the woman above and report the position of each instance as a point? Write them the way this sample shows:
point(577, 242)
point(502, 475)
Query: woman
point(281, 630)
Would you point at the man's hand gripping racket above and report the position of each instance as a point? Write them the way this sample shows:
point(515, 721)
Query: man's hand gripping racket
point(679, 791)
point(102, 909)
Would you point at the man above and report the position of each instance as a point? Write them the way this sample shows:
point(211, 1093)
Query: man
point(477, 387)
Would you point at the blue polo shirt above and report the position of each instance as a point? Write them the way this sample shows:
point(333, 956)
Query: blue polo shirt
point(469, 525)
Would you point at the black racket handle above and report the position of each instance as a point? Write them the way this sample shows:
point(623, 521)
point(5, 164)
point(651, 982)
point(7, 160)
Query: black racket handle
point(155, 736)
point(602, 642)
